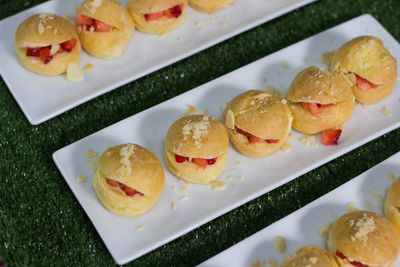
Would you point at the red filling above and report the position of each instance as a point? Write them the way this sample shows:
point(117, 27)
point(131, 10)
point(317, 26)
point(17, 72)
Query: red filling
point(314, 108)
point(199, 161)
point(355, 263)
point(364, 84)
point(331, 137)
point(88, 22)
point(173, 12)
point(255, 139)
point(129, 191)
point(44, 52)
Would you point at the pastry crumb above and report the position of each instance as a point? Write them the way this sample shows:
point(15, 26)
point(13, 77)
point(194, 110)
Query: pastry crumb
point(163, 35)
point(218, 185)
point(199, 23)
point(202, 111)
point(368, 203)
point(330, 214)
point(184, 198)
point(74, 72)
point(239, 163)
point(286, 256)
point(279, 244)
point(315, 145)
point(258, 263)
point(324, 230)
point(173, 187)
point(264, 80)
point(229, 177)
point(231, 169)
point(286, 147)
point(180, 39)
point(173, 206)
point(91, 154)
point(241, 177)
point(89, 67)
point(289, 137)
point(184, 189)
point(386, 111)
point(190, 110)
point(140, 228)
point(351, 207)
point(272, 262)
point(284, 65)
point(269, 89)
point(390, 176)
point(81, 178)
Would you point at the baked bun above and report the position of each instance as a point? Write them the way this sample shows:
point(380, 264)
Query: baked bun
point(209, 6)
point(129, 179)
point(310, 256)
point(258, 123)
point(46, 44)
point(392, 204)
point(372, 64)
point(104, 27)
point(320, 100)
point(196, 148)
point(363, 237)
point(157, 16)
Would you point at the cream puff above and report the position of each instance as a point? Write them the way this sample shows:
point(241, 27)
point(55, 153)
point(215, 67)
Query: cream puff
point(129, 179)
point(320, 100)
point(363, 238)
point(104, 27)
point(372, 64)
point(209, 6)
point(258, 123)
point(310, 256)
point(392, 204)
point(196, 147)
point(157, 16)
point(47, 44)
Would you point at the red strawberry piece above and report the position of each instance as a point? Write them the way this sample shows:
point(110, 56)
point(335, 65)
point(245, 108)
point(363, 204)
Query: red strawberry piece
point(180, 159)
point(69, 45)
point(331, 137)
point(33, 52)
point(364, 84)
point(211, 161)
point(200, 162)
point(112, 182)
point(44, 54)
point(272, 141)
point(102, 27)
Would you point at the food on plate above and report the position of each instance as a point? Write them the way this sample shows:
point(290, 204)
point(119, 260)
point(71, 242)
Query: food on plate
point(331, 137)
point(372, 65)
point(104, 27)
point(129, 179)
point(196, 148)
point(46, 44)
point(320, 100)
point(258, 123)
point(392, 204)
point(209, 6)
point(363, 238)
point(157, 16)
point(310, 256)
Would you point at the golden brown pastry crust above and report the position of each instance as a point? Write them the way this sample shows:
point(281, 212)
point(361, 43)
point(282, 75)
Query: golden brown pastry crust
point(364, 237)
point(392, 205)
point(42, 30)
point(196, 136)
point(367, 57)
point(138, 9)
point(209, 6)
point(261, 115)
point(310, 256)
point(314, 85)
point(134, 166)
point(106, 44)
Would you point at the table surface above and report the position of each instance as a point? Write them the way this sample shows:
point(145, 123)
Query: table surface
point(41, 222)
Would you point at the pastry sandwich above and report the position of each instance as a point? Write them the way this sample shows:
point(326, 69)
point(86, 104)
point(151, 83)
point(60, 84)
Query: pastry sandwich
point(392, 205)
point(310, 256)
point(372, 64)
point(129, 179)
point(157, 16)
point(209, 6)
point(47, 44)
point(196, 148)
point(258, 123)
point(104, 27)
point(320, 100)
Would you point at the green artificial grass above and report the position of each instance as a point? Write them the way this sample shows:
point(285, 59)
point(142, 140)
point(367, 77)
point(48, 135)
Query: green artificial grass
point(41, 222)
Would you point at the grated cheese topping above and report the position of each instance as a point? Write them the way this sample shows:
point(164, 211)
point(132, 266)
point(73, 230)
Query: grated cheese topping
point(197, 129)
point(363, 227)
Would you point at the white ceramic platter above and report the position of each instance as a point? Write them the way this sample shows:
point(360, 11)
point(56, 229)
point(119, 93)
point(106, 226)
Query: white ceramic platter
point(365, 192)
point(42, 98)
point(250, 177)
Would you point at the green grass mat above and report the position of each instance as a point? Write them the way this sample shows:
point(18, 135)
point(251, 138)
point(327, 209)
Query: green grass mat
point(41, 222)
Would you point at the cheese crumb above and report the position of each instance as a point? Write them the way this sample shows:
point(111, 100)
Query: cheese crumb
point(81, 178)
point(273, 262)
point(89, 67)
point(184, 189)
point(386, 111)
point(324, 230)
point(286, 256)
point(54, 48)
point(284, 65)
point(190, 110)
point(313, 260)
point(230, 120)
point(173, 206)
point(258, 263)
point(218, 185)
point(284, 101)
point(390, 176)
point(91, 154)
point(74, 72)
point(184, 198)
point(363, 226)
point(229, 177)
point(140, 228)
point(279, 244)
point(351, 207)
point(289, 137)
point(286, 147)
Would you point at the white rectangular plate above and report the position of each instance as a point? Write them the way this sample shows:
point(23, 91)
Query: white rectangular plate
point(259, 175)
point(366, 192)
point(41, 97)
